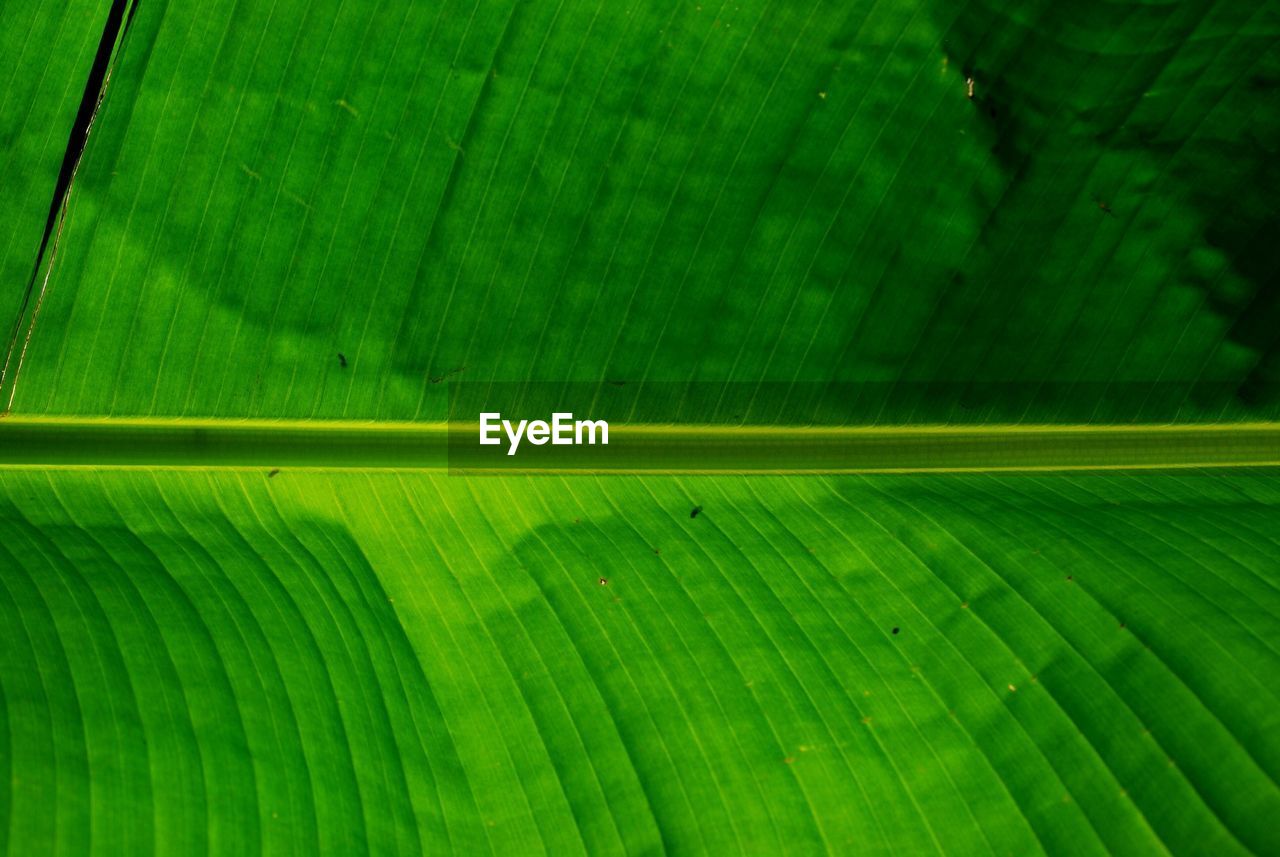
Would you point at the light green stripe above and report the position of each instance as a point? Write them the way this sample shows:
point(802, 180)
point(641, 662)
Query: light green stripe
point(149, 443)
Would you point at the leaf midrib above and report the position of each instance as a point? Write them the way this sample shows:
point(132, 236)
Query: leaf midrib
point(83, 442)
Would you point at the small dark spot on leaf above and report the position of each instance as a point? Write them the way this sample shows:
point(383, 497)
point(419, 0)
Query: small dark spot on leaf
point(895, 629)
point(604, 581)
point(1069, 577)
point(695, 511)
point(274, 471)
point(617, 383)
point(436, 379)
point(342, 360)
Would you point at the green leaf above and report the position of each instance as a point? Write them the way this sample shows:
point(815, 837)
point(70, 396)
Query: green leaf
point(244, 607)
point(585, 191)
point(412, 663)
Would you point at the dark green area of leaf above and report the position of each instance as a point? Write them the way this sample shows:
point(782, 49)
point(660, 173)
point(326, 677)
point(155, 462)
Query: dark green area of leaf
point(718, 193)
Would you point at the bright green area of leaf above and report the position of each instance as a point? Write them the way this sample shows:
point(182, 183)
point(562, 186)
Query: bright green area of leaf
point(415, 663)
